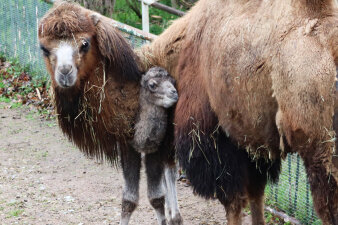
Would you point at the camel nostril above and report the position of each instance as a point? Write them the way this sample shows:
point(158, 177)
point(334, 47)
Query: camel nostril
point(65, 69)
point(174, 95)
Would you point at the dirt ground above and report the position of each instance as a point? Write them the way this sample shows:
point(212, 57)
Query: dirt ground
point(44, 179)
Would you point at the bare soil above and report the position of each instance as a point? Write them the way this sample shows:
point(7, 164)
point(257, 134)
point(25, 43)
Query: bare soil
point(44, 179)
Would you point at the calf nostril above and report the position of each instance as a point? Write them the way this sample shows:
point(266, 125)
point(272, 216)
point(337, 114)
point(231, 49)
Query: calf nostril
point(65, 69)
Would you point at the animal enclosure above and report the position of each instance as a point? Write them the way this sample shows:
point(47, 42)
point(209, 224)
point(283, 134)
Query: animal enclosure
point(18, 39)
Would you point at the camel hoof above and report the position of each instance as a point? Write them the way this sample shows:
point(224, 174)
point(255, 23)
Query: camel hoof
point(177, 220)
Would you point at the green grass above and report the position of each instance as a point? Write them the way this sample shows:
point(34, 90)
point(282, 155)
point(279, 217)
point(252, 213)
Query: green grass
point(5, 99)
point(16, 105)
point(44, 154)
point(16, 213)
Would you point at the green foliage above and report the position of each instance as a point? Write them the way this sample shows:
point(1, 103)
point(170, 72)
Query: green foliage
point(124, 14)
point(5, 99)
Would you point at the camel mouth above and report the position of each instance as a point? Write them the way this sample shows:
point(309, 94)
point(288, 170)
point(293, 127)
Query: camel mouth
point(66, 80)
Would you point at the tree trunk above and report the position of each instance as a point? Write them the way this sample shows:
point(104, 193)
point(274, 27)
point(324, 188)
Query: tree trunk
point(174, 3)
point(105, 7)
point(135, 6)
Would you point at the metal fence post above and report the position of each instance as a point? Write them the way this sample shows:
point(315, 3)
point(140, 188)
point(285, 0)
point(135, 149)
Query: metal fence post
point(145, 14)
point(145, 17)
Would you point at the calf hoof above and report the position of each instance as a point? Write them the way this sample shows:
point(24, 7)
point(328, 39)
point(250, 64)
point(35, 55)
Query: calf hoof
point(177, 220)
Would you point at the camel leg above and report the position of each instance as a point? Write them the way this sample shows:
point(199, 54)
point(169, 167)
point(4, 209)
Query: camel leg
point(256, 196)
point(234, 212)
point(167, 199)
point(258, 173)
point(131, 165)
point(323, 183)
point(156, 191)
point(171, 196)
point(257, 210)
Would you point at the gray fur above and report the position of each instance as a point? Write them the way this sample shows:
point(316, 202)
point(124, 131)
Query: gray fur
point(151, 124)
point(150, 130)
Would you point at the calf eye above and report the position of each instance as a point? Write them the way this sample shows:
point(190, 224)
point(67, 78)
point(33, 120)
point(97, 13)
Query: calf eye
point(45, 51)
point(84, 46)
point(152, 85)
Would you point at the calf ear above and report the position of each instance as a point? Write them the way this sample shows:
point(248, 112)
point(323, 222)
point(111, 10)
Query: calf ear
point(118, 54)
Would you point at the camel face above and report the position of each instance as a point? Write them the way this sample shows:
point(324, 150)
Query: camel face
point(67, 59)
point(160, 88)
point(165, 94)
point(68, 43)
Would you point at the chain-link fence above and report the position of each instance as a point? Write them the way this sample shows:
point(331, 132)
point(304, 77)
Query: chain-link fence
point(292, 193)
point(18, 39)
point(18, 32)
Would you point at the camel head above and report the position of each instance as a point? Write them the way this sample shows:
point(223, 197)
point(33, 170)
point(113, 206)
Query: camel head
point(159, 87)
point(76, 43)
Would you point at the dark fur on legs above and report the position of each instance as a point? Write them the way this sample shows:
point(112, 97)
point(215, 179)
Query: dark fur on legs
point(156, 191)
point(158, 205)
point(259, 172)
point(131, 165)
point(217, 168)
point(128, 208)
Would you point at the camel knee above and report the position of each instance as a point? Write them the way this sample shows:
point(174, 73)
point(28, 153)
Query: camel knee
point(158, 205)
point(128, 208)
point(176, 220)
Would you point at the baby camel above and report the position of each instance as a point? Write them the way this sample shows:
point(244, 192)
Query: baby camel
point(157, 94)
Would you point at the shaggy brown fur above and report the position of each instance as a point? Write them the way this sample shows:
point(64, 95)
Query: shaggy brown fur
point(96, 83)
point(267, 69)
point(264, 71)
point(99, 111)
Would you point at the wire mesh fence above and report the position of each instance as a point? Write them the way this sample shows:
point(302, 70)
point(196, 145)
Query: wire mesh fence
point(18, 32)
point(18, 39)
point(292, 193)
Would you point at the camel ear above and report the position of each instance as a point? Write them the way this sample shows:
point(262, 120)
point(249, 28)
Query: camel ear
point(143, 81)
point(58, 2)
point(95, 17)
point(118, 55)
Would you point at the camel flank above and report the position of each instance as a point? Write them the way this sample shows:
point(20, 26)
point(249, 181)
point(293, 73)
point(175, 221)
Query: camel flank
point(264, 71)
point(264, 41)
point(97, 113)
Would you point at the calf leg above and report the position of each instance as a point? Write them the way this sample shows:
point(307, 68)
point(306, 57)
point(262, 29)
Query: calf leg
point(131, 165)
point(171, 196)
point(156, 191)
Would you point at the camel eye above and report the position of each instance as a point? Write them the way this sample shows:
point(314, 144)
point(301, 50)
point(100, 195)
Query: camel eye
point(84, 46)
point(45, 51)
point(152, 85)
